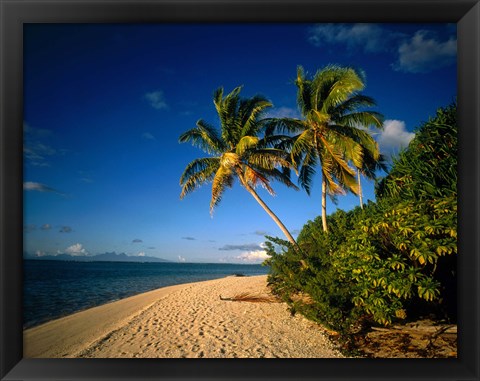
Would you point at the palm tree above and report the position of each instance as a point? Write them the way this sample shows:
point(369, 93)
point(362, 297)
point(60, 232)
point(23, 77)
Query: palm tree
point(370, 166)
point(236, 152)
point(329, 135)
point(372, 161)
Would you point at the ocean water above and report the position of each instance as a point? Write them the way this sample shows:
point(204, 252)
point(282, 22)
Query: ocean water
point(52, 289)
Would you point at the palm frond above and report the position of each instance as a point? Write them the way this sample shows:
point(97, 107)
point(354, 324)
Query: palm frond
point(309, 160)
point(269, 158)
point(303, 142)
point(318, 118)
point(222, 179)
point(327, 169)
point(346, 178)
point(304, 97)
point(332, 150)
point(253, 298)
point(353, 151)
point(227, 109)
point(282, 176)
point(371, 165)
point(282, 142)
point(205, 137)
point(250, 111)
point(246, 143)
point(334, 85)
point(357, 135)
point(283, 125)
point(352, 104)
point(197, 173)
point(217, 99)
point(253, 178)
point(361, 118)
point(306, 175)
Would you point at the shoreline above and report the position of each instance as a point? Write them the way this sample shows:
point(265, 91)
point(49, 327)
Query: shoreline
point(186, 320)
point(41, 340)
point(42, 306)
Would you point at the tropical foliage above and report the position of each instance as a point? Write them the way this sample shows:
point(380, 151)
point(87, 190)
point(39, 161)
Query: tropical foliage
point(240, 150)
point(392, 260)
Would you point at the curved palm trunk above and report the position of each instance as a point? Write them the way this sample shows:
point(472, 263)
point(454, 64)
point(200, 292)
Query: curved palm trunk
point(271, 214)
point(324, 204)
point(360, 195)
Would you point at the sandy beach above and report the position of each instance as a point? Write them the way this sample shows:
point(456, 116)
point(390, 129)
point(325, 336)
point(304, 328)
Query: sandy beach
point(184, 321)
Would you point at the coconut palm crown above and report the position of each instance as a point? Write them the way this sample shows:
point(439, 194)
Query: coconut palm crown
point(237, 151)
point(334, 130)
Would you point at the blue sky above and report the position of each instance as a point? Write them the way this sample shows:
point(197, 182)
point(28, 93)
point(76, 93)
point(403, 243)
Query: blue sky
point(104, 106)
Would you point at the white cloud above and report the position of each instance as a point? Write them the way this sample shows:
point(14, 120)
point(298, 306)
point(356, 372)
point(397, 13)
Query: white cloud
point(394, 137)
point(368, 37)
point(419, 53)
point(157, 99)
point(76, 250)
point(141, 254)
point(30, 185)
point(424, 52)
point(247, 246)
point(256, 256)
point(181, 259)
point(33, 186)
point(35, 155)
point(251, 253)
point(46, 227)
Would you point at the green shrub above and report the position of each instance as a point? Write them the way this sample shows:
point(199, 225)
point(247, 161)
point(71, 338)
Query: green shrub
point(381, 264)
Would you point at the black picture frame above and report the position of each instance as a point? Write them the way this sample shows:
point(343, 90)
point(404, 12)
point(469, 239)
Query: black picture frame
point(14, 13)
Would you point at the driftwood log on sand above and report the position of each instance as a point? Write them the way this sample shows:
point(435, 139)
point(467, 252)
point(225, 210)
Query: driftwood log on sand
point(249, 297)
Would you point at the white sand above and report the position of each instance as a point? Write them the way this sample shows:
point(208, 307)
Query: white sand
point(184, 321)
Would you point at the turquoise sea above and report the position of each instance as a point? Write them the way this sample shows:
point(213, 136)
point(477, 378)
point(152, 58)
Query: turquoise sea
point(52, 289)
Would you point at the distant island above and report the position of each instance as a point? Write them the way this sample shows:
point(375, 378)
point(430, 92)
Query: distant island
point(105, 257)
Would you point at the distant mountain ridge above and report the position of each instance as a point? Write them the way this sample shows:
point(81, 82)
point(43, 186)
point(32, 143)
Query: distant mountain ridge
point(105, 257)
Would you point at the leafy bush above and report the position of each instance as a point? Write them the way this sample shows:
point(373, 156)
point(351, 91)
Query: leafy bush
point(395, 258)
